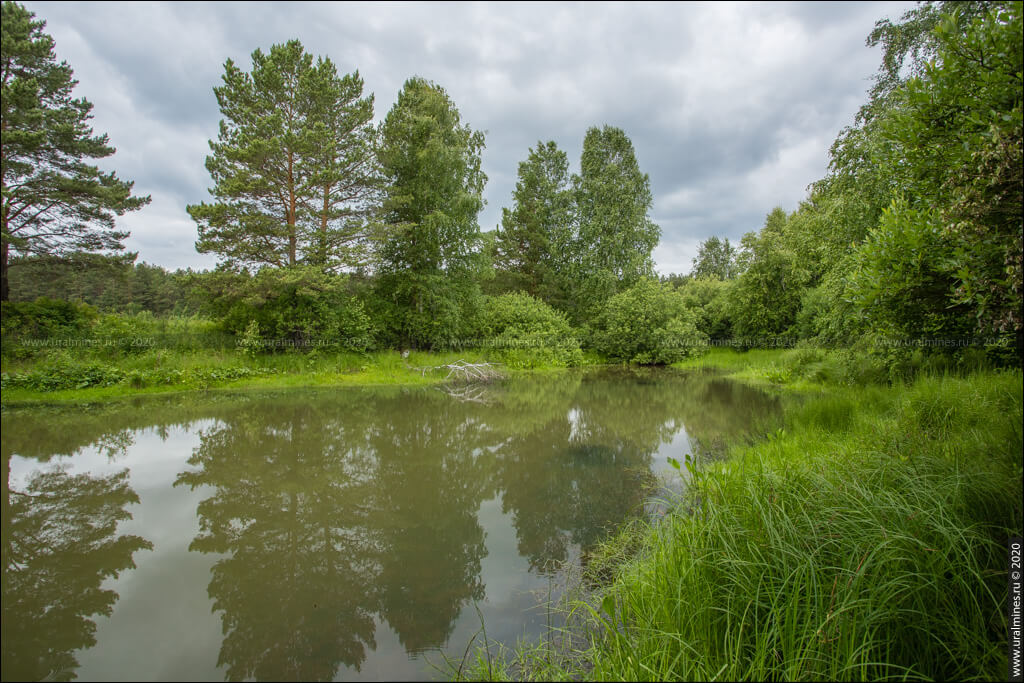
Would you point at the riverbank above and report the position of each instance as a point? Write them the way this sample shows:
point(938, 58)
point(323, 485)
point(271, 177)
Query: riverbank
point(864, 540)
point(81, 378)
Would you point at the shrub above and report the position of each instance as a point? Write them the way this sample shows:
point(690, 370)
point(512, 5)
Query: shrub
point(45, 319)
point(529, 332)
point(708, 299)
point(648, 324)
point(903, 278)
point(814, 306)
point(299, 307)
point(61, 371)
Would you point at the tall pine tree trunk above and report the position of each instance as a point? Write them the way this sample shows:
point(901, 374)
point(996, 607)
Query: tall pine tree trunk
point(292, 236)
point(323, 226)
point(5, 290)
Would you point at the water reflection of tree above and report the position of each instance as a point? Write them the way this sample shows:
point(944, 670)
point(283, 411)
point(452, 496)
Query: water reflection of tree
point(290, 513)
point(719, 413)
point(45, 432)
point(584, 472)
point(434, 473)
point(59, 544)
point(331, 511)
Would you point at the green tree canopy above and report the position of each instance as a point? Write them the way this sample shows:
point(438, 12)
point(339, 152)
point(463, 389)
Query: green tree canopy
point(956, 131)
point(715, 259)
point(615, 234)
point(295, 177)
point(54, 201)
point(535, 230)
point(766, 298)
point(431, 253)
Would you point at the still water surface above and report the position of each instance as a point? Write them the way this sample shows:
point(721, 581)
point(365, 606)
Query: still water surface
point(346, 534)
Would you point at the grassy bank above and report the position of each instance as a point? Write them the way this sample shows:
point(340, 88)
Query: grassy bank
point(810, 368)
point(56, 351)
point(69, 376)
point(864, 541)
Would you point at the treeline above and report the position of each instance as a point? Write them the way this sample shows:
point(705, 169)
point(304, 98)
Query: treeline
point(913, 238)
point(328, 227)
point(110, 283)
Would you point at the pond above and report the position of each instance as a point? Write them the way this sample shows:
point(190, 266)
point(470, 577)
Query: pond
point(319, 534)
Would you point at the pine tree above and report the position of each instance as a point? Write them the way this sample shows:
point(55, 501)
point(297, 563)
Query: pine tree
point(345, 182)
point(53, 201)
point(293, 167)
point(535, 231)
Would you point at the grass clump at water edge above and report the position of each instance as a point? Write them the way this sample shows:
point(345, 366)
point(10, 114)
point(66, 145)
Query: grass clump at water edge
point(865, 541)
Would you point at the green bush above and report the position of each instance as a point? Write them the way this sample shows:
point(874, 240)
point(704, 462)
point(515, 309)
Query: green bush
point(903, 278)
point(66, 370)
point(44, 319)
point(192, 333)
point(708, 299)
point(124, 334)
point(528, 332)
point(62, 371)
point(299, 307)
point(810, 319)
point(648, 324)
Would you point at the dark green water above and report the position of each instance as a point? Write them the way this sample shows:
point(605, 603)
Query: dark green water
point(325, 534)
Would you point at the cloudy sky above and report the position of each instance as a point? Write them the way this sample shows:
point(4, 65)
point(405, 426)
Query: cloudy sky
point(731, 107)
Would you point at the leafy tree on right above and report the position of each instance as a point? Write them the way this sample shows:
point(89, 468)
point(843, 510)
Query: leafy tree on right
point(614, 236)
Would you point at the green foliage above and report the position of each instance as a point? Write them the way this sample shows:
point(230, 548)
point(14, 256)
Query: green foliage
point(916, 230)
point(649, 324)
point(431, 258)
point(766, 297)
point(914, 38)
point(250, 342)
point(300, 307)
point(814, 305)
point(537, 229)
point(957, 132)
point(611, 248)
point(528, 332)
point(709, 300)
point(54, 201)
point(44, 318)
point(64, 370)
point(900, 281)
point(110, 283)
point(294, 173)
point(716, 259)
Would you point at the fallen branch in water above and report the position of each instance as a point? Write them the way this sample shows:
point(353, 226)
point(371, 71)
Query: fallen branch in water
point(482, 372)
point(465, 371)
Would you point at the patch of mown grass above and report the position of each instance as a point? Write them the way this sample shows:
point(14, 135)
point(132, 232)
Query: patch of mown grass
point(864, 541)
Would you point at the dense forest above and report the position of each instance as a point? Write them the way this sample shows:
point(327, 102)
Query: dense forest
point(333, 231)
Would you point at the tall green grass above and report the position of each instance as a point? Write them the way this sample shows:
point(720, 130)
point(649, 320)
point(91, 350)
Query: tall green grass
point(864, 541)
